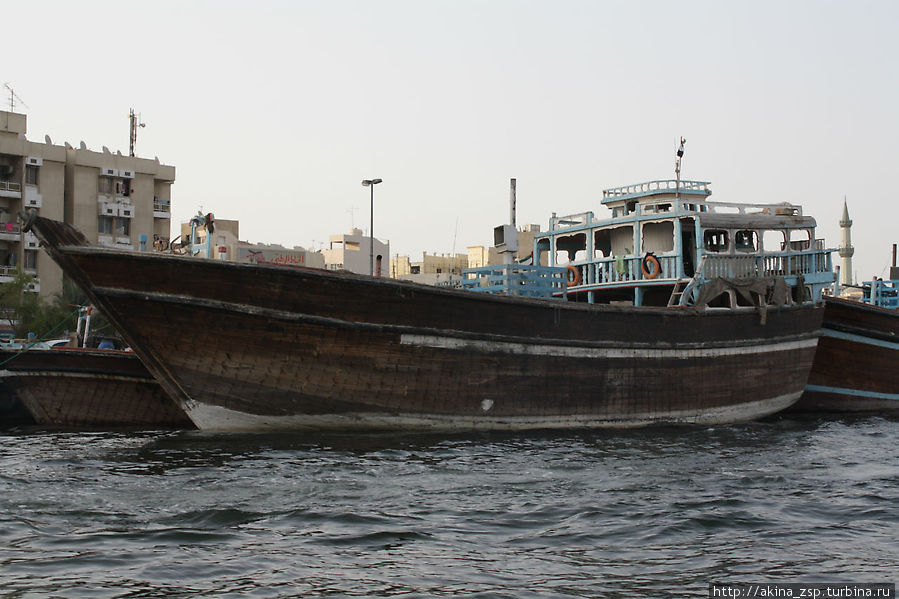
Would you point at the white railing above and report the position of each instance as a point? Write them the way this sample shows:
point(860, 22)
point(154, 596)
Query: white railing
point(621, 270)
point(661, 185)
point(765, 265)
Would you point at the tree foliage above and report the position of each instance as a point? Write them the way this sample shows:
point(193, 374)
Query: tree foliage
point(27, 313)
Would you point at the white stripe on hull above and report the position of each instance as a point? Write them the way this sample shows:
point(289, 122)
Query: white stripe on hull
point(215, 418)
point(505, 347)
point(860, 339)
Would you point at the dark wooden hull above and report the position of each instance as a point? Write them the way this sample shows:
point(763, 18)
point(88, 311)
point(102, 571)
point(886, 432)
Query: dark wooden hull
point(249, 347)
point(90, 388)
point(12, 411)
point(856, 367)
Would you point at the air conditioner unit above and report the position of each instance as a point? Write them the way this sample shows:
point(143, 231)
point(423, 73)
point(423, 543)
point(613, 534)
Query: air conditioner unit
point(109, 172)
point(126, 212)
point(34, 161)
point(126, 174)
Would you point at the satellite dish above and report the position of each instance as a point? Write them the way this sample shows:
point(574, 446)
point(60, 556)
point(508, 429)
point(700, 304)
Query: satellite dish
point(106, 150)
point(83, 145)
point(69, 146)
point(118, 152)
point(47, 140)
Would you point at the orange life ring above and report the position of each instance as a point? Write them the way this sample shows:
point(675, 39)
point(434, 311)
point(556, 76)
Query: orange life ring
point(574, 276)
point(656, 269)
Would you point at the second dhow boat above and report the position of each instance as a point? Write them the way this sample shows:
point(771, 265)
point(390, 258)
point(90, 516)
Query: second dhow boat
point(255, 347)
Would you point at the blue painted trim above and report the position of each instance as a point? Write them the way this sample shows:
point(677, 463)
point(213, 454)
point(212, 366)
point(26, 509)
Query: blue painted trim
point(853, 392)
point(859, 339)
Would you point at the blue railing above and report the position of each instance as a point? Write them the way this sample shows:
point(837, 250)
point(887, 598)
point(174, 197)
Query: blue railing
point(516, 279)
point(882, 293)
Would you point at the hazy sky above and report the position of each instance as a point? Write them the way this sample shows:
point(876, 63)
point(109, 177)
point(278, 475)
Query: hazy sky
point(273, 112)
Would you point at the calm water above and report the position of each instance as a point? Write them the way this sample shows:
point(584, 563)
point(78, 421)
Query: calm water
point(652, 513)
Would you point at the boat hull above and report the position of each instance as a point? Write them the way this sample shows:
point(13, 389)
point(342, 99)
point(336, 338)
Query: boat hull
point(855, 367)
point(90, 388)
point(249, 347)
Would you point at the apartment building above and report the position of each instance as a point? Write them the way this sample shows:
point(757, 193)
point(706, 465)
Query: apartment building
point(32, 175)
point(114, 200)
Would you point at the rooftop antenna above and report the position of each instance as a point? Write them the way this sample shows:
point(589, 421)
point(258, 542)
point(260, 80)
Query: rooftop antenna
point(13, 96)
point(352, 211)
point(136, 122)
point(677, 161)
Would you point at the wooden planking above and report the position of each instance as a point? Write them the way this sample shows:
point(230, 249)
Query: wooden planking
point(856, 366)
point(91, 388)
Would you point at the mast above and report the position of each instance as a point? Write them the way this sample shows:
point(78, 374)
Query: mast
point(135, 122)
point(680, 155)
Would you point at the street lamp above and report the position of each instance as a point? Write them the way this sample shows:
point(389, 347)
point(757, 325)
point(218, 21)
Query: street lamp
point(371, 229)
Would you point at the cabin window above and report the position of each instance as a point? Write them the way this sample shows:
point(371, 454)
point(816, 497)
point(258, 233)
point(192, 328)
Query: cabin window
point(716, 240)
point(602, 243)
point(746, 241)
point(571, 245)
point(622, 240)
point(658, 237)
point(773, 240)
point(800, 239)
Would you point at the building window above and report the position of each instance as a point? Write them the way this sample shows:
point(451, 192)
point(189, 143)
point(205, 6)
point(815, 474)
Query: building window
point(105, 185)
point(123, 227)
point(104, 225)
point(30, 174)
point(30, 260)
point(123, 187)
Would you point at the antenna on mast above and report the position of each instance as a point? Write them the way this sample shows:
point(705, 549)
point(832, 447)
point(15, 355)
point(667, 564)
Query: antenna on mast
point(135, 121)
point(680, 155)
point(13, 96)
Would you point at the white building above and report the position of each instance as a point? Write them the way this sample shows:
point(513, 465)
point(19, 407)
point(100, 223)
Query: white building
point(356, 253)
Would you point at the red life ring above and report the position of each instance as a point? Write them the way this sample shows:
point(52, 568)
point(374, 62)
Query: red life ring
point(574, 276)
point(650, 267)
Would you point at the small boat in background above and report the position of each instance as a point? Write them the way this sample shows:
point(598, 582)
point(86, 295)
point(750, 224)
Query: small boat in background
point(91, 388)
point(856, 367)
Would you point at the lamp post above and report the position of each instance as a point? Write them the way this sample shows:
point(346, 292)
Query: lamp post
point(371, 229)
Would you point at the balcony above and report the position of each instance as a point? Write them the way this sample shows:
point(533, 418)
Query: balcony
point(10, 189)
point(10, 231)
point(162, 208)
point(8, 275)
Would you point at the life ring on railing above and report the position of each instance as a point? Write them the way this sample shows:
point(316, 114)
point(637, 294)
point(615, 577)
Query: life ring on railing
point(650, 266)
point(574, 276)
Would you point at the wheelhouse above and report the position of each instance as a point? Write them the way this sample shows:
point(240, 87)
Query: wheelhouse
point(665, 242)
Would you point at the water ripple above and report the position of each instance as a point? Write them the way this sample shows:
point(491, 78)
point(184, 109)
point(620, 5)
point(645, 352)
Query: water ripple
point(659, 512)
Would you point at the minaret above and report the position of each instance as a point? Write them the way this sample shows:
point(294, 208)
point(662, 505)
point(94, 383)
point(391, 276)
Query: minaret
point(846, 249)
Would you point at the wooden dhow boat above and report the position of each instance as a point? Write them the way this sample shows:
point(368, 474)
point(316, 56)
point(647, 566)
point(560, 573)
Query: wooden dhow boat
point(856, 367)
point(88, 388)
point(257, 347)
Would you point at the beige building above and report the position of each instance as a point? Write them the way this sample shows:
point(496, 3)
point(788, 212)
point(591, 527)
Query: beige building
point(32, 175)
point(429, 264)
point(479, 255)
point(226, 245)
point(114, 200)
point(355, 252)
